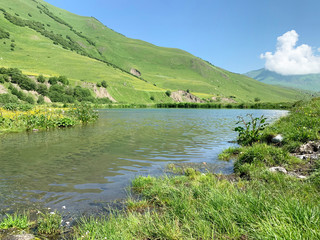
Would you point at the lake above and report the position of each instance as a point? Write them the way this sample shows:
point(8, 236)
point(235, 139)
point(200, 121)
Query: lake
point(83, 167)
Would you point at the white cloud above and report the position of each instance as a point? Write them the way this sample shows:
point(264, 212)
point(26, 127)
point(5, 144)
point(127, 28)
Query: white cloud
point(290, 59)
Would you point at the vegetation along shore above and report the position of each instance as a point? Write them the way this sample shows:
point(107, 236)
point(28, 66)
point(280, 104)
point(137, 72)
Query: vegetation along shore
point(272, 194)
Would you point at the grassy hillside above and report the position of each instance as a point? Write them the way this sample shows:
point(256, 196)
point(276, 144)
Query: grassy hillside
point(52, 41)
point(309, 82)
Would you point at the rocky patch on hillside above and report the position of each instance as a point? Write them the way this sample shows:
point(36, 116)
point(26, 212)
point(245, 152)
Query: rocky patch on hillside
point(183, 96)
point(135, 72)
point(100, 92)
point(3, 89)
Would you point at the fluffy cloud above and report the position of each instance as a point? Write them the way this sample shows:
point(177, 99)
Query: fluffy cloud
point(290, 59)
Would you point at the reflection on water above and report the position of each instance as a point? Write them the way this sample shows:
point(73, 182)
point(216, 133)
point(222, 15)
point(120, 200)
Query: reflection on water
point(79, 166)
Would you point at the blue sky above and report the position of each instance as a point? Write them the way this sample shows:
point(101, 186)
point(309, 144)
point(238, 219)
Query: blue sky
point(231, 34)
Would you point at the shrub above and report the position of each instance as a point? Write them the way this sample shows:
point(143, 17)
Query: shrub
point(168, 93)
point(29, 99)
point(53, 80)
point(251, 131)
point(4, 34)
point(83, 94)
point(5, 77)
point(104, 84)
point(40, 100)
point(41, 79)
point(8, 98)
point(64, 80)
point(103, 100)
point(257, 99)
point(98, 84)
point(152, 98)
point(42, 89)
point(85, 113)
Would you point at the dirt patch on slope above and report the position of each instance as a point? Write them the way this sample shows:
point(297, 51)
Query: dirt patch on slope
point(100, 92)
point(3, 89)
point(183, 96)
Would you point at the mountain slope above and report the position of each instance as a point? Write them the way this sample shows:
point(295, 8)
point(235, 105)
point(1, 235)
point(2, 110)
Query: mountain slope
point(309, 82)
point(52, 41)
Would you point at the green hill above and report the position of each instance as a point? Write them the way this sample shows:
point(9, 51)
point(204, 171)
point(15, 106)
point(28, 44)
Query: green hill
point(309, 82)
point(47, 40)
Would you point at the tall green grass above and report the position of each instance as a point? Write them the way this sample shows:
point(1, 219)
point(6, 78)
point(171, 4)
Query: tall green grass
point(202, 206)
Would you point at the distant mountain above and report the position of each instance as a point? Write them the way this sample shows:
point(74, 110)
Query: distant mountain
point(309, 82)
point(39, 38)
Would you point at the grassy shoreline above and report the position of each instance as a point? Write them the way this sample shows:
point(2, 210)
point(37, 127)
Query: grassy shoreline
point(252, 203)
point(262, 105)
point(19, 118)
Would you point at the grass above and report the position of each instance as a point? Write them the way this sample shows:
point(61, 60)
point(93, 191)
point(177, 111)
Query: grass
point(18, 221)
point(203, 206)
point(162, 68)
point(45, 224)
point(49, 224)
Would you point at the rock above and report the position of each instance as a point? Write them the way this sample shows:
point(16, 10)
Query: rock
point(302, 157)
point(277, 139)
point(135, 72)
point(278, 169)
point(24, 236)
point(293, 174)
point(310, 147)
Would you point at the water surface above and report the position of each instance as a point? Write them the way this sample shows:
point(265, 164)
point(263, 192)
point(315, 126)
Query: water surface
point(82, 166)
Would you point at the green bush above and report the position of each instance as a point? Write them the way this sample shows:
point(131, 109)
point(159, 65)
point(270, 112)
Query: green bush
point(168, 93)
point(104, 84)
point(64, 80)
point(4, 34)
point(8, 98)
point(40, 100)
point(30, 100)
point(41, 79)
point(53, 80)
point(250, 132)
point(42, 89)
point(85, 113)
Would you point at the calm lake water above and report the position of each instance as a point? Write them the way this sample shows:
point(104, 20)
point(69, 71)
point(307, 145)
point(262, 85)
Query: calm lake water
point(83, 166)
